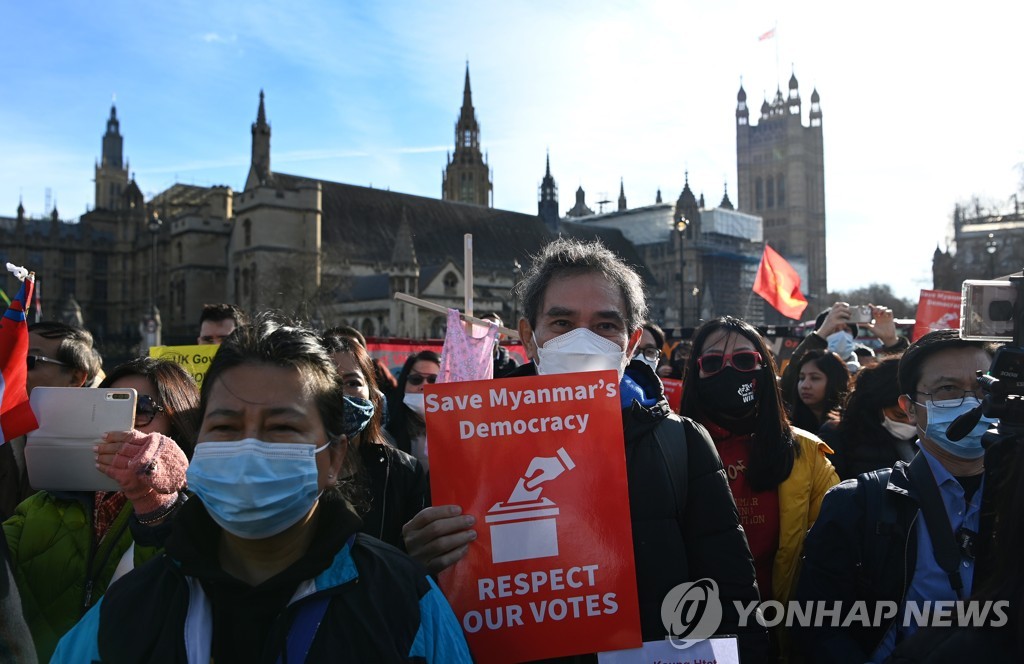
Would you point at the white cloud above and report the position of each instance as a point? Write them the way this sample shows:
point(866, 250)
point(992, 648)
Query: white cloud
point(216, 38)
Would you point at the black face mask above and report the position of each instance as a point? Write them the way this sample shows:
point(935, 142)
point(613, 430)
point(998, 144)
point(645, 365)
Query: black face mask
point(729, 392)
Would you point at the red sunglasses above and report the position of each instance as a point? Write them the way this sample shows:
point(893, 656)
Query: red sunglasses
point(744, 360)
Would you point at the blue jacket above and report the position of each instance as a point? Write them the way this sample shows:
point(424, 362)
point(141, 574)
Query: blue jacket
point(371, 603)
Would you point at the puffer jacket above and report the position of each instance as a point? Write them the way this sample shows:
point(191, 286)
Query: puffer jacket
point(704, 540)
point(352, 599)
point(800, 497)
point(60, 570)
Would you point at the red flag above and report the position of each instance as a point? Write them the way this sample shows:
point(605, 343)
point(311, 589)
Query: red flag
point(779, 284)
point(767, 35)
point(16, 417)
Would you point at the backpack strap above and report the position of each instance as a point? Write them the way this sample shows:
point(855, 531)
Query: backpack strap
point(670, 434)
point(947, 551)
point(879, 523)
point(5, 565)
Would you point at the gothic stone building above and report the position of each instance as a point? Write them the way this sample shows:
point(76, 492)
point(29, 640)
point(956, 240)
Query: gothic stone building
point(985, 246)
point(781, 178)
point(336, 253)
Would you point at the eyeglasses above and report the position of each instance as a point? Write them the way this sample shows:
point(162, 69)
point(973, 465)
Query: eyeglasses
point(652, 354)
point(417, 379)
point(146, 408)
point(744, 360)
point(951, 397)
point(34, 359)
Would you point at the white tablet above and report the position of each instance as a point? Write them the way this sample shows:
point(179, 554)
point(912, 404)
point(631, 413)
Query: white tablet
point(72, 420)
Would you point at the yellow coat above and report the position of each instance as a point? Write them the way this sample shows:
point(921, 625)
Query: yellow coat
point(800, 498)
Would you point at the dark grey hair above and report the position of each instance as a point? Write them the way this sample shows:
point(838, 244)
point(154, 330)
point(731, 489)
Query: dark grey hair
point(566, 257)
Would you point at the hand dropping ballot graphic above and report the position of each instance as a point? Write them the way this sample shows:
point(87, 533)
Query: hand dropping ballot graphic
point(524, 526)
point(540, 463)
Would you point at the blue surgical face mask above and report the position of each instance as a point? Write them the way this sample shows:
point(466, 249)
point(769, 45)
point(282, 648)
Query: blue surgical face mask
point(939, 419)
point(254, 489)
point(358, 413)
point(841, 343)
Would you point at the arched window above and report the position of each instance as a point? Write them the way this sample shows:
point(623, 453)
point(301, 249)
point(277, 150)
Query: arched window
point(247, 227)
point(758, 194)
point(451, 282)
point(181, 252)
point(780, 187)
point(367, 328)
point(438, 327)
point(770, 186)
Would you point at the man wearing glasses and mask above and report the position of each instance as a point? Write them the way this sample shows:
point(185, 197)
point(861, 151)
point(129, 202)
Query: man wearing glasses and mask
point(583, 310)
point(59, 355)
point(905, 534)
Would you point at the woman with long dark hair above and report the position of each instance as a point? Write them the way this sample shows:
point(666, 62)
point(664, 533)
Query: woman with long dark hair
point(874, 431)
point(394, 482)
point(778, 474)
point(406, 422)
point(823, 381)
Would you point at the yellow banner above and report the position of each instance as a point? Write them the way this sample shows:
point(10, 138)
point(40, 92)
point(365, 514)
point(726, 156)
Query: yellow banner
point(193, 359)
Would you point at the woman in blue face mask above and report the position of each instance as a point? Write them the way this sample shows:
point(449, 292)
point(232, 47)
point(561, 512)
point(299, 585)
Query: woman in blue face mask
point(267, 563)
point(393, 484)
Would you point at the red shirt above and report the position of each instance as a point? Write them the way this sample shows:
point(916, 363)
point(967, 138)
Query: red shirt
point(759, 510)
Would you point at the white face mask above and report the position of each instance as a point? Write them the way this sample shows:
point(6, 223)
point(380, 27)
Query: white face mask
point(899, 430)
point(653, 364)
point(579, 350)
point(841, 343)
point(415, 403)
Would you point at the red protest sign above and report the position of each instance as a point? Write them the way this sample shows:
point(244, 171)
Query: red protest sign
point(673, 392)
point(540, 462)
point(936, 310)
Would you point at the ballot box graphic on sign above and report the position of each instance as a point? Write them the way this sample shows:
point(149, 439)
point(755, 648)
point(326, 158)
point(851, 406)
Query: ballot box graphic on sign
point(524, 526)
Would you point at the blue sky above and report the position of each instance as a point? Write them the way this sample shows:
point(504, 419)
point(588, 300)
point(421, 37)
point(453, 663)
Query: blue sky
point(920, 105)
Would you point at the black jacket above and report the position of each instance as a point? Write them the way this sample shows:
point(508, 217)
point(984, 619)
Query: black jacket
point(705, 540)
point(938, 645)
point(398, 490)
point(403, 425)
point(504, 363)
point(853, 458)
point(860, 548)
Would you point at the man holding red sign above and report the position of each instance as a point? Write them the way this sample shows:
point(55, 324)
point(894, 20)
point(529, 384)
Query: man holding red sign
point(583, 312)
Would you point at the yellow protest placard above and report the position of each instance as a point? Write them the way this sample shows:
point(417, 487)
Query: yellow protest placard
point(193, 359)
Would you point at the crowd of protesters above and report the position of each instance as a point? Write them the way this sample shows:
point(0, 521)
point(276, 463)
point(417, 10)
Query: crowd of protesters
point(282, 512)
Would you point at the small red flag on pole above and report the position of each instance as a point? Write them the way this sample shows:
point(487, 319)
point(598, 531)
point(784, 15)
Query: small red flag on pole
point(779, 284)
point(16, 417)
point(767, 35)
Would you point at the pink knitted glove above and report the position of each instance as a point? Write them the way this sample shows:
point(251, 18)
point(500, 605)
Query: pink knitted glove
point(150, 467)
